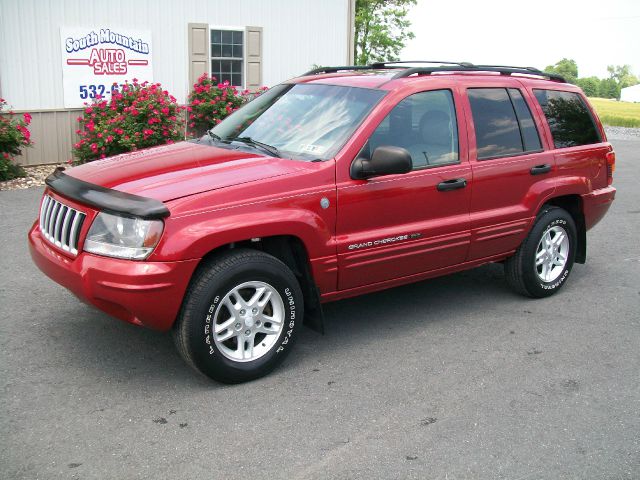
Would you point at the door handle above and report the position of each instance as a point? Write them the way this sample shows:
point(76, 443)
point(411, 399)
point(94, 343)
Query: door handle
point(540, 169)
point(454, 184)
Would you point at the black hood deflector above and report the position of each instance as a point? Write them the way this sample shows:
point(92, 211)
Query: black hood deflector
point(106, 199)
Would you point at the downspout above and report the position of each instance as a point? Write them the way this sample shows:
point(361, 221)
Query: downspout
point(351, 28)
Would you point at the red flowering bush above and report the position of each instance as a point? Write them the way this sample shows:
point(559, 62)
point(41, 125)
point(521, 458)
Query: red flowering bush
point(139, 115)
point(210, 102)
point(14, 135)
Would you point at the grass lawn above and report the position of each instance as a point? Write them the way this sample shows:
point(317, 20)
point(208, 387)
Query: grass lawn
point(617, 114)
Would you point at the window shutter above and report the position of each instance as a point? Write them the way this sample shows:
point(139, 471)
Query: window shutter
point(199, 45)
point(254, 58)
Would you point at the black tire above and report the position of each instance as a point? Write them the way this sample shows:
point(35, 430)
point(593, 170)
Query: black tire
point(521, 271)
point(204, 305)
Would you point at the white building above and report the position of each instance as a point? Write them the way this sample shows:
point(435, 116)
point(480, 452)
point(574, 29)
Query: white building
point(630, 94)
point(48, 65)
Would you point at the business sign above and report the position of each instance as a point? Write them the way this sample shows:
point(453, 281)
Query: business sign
point(97, 61)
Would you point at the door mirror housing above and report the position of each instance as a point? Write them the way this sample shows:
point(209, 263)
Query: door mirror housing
point(386, 160)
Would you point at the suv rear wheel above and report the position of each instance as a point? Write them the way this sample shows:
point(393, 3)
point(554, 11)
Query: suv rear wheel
point(239, 316)
point(542, 263)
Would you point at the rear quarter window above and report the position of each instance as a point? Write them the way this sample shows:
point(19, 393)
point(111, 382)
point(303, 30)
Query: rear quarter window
point(570, 120)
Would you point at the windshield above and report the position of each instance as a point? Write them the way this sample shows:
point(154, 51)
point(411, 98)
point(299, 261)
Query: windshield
point(303, 121)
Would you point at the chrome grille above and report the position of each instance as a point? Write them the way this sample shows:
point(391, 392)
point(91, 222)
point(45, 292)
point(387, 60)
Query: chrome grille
point(61, 224)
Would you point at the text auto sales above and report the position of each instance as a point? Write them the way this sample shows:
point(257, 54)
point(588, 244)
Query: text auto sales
point(106, 61)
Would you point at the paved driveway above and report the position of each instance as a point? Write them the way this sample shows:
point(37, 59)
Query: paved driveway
point(450, 378)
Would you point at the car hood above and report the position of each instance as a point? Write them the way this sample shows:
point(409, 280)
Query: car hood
point(179, 170)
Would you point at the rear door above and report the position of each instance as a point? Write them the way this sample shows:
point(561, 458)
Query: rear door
point(400, 225)
point(511, 169)
point(580, 149)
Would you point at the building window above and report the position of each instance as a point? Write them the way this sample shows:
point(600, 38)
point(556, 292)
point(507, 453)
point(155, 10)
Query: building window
point(227, 56)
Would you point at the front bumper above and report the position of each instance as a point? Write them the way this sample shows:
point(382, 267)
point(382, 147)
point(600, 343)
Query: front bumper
point(143, 293)
point(596, 204)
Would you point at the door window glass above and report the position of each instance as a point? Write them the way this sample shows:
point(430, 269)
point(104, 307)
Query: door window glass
point(425, 125)
point(530, 136)
point(495, 122)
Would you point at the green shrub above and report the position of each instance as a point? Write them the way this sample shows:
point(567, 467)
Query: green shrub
point(140, 115)
point(14, 135)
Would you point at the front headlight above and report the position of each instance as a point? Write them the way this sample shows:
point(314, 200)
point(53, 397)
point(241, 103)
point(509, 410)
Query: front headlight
point(123, 237)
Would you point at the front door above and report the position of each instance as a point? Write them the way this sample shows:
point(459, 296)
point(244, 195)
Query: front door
point(401, 225)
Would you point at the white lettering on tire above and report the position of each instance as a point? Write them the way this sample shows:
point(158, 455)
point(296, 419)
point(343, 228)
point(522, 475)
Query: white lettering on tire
point(292, 317)
point(207, 324)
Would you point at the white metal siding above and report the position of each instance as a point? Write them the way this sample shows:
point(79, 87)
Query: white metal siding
point(296, 35)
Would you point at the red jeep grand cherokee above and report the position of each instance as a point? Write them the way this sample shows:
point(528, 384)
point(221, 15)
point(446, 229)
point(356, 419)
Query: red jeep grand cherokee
point(344, 181)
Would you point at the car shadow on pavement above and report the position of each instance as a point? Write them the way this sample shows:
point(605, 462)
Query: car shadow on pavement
point(410, 307)
point(114, 351)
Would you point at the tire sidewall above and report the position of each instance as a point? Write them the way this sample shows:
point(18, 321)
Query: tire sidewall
point(210, 360)
point(548, 219)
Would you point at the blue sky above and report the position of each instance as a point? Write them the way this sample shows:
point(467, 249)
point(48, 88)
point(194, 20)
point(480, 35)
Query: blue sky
point(525, 33)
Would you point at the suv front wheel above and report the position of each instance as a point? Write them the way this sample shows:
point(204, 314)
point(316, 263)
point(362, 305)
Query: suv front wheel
point(542, 263)
point(239, 317)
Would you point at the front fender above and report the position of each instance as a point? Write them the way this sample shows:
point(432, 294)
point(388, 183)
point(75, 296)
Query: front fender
point(303, 206)
point(194, 237)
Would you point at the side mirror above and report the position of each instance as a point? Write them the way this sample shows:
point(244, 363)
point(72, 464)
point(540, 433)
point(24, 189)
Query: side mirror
point(386, 160)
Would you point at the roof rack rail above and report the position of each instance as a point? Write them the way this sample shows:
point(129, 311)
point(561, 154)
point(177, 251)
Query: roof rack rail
point(317, 71)
point(406, 71)
point(503, 70)
point(398, 63)
point(377, 66)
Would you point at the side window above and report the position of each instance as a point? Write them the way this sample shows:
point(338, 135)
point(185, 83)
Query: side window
point(530, 137)
point(503, 123)
point(569, 118)
point(424, 124)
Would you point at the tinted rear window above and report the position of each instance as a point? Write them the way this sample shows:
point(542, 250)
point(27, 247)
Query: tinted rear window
point(569, 118)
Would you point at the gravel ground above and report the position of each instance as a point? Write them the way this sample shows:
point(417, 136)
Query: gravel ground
point(622, 133)
point(36, 175)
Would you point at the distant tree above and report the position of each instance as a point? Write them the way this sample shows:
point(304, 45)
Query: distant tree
point(566, 67)
point(609, 88)
point(589, 85)
point(622, 75)
point(381, 29)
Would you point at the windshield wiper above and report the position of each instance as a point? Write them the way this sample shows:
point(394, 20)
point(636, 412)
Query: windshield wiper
point(270, 149)
point(216, 137)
